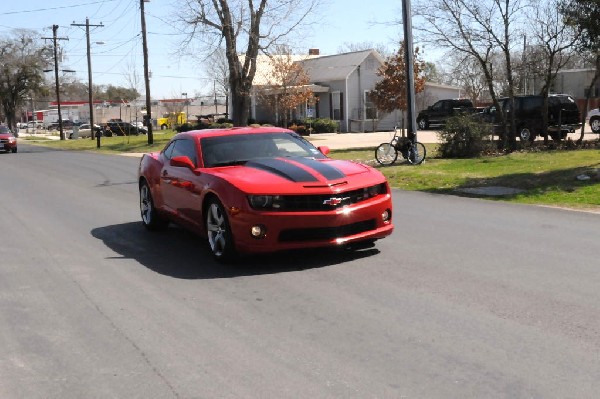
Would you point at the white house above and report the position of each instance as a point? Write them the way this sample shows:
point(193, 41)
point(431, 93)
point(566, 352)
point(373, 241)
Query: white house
point(341, 84)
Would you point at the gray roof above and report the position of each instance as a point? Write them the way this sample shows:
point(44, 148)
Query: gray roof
point(335, 67)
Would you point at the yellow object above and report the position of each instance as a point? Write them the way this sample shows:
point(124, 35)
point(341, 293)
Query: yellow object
point(171, 119)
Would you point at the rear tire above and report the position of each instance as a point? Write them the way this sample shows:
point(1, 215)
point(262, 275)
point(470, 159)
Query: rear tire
point(416, 153)
point(150, 217)
point(386, 154)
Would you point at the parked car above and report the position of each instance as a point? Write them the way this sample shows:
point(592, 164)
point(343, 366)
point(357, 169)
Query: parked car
point(594, 120)
point(85, 131)
point(35, 125)
point(563, 116)
point(123, 129)
point(438, 113)
point(8, 141)
point(264, 189)
point(67, 124)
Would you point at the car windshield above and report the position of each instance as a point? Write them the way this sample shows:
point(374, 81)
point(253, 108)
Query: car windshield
point(238, 149)
point(4, 130)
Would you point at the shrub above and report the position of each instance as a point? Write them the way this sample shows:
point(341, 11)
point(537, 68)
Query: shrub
point(323, 125)
point(300, 129)
point(463, 137)
point(222, 125)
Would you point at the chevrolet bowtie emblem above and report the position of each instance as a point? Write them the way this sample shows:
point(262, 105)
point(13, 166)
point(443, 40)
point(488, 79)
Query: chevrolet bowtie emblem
point(333, 201)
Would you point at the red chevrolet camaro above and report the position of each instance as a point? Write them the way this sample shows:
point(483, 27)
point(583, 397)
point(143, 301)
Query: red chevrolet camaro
point(257, 190)
point(8, 142)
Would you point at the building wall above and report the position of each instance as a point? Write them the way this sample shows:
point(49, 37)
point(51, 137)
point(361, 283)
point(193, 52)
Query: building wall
point(576, 83)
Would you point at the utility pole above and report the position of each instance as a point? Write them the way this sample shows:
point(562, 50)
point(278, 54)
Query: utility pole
point(54, 39)
point(215, 91)
point(410, 73)
point(90, 93)
point(148, 115)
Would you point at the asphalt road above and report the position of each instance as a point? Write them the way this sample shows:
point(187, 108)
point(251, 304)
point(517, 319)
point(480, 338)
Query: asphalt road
point(467, 299)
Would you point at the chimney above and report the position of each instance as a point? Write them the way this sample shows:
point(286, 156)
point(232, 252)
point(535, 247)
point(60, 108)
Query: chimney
point(313, 51)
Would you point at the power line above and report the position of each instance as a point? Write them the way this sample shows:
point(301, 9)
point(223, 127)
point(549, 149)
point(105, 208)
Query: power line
point(55, 8)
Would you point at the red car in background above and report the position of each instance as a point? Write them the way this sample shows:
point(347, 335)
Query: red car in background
point(257, 190)
point(8, 141)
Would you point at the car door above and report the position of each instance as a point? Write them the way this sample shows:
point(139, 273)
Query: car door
point(179, 183)
point(438, 111)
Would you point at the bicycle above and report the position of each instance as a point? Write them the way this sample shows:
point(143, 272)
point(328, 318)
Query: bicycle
point(387, 153)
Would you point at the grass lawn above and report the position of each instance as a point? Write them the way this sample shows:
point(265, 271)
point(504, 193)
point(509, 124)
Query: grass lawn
point(546, 177)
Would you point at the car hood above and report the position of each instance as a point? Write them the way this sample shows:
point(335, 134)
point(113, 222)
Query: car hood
point(6, 135)
point(288, 175)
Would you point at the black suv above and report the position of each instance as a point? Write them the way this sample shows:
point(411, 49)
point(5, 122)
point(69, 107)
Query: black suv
point(438, 113)
point(563, 116)
point(122, 129)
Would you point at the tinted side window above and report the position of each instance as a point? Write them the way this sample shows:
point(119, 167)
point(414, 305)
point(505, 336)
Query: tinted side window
point(185, 148)
point(169, 150)
point(437, 106)
point(532, 103)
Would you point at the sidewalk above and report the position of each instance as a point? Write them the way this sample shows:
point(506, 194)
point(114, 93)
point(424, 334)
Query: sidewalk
point(337, 141)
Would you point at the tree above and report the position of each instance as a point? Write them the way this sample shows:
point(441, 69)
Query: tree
point(255, 24)
point(584, 16)
point(554, 41)
point(389, 93)
point(478, 28)
point(286, 86)
point(22, 59)
point(218, 72)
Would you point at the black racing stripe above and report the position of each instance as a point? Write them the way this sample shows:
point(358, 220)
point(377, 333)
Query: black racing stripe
point(281, 168)
point(328, 171)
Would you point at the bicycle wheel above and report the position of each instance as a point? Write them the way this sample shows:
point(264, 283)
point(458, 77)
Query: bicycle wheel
point(416, 153)
point(386, 154)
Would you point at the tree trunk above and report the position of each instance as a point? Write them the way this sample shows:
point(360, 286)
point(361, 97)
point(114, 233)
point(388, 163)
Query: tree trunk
point(587, 99)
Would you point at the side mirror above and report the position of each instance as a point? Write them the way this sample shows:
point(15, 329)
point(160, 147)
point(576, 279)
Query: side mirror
point(182, 161)
point(324, 149)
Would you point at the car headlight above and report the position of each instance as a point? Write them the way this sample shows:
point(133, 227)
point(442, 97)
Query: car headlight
point(374, 191)
point(12, 140)
point(265, 201)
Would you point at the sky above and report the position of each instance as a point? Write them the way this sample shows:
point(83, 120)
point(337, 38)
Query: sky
point(117, 45)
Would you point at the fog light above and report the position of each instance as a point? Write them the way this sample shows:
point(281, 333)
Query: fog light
point(386, 215)
point(258, 231)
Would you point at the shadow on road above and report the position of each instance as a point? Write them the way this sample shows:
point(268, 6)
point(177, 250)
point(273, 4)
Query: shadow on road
point(180, 254)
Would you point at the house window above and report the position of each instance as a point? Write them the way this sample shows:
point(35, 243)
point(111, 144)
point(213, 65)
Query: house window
point(336, 105)
point(370, 108)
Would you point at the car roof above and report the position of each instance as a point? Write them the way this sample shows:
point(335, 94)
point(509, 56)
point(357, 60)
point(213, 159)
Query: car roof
point(233, 131)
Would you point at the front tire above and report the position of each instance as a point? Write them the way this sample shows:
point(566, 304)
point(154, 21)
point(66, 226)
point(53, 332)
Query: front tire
point(423, 124)
point(595, 124)
point(220, 238)
point(526, 135)
point(386, 154)
point(150, 217)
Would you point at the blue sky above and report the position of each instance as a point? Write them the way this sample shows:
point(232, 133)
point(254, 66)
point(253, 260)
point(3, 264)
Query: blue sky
point(120, 55)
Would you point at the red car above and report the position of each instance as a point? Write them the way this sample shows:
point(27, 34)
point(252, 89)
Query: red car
point(8, 142)
point(257, 190)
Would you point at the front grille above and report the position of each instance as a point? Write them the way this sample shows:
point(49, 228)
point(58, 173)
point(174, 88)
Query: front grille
point(326, 233)
point(325, 202)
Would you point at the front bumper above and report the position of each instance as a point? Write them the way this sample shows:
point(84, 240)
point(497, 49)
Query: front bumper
point(295, 230)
